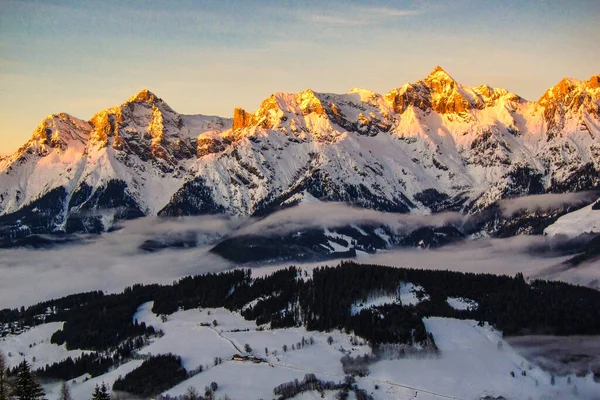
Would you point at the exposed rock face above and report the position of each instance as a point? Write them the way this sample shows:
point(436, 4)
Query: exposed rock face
point(241, 119)
point(210, 145)
point(429, 146)
point(439, 92)
point(310, 103)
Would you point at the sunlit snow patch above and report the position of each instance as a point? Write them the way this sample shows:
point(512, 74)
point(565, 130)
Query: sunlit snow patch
point(35, 347)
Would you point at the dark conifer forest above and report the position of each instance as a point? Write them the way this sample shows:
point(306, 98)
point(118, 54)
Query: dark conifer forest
point(155, 375)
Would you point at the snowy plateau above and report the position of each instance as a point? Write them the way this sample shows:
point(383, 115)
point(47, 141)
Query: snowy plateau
point(439, 187)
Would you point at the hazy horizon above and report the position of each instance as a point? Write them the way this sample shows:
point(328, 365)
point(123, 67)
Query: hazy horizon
point(210, 57)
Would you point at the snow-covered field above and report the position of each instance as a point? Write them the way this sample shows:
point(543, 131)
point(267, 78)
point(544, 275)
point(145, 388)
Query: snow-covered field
point(411, 294)
point(34, 346)
point(184, 335)
point(473, 360)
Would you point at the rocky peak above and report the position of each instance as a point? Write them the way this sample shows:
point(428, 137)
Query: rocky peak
point(144, 96)
point(571, 94)
point(439, 80)
point(568, 99)
point(441, 93)
point(309, 103)
point(56, 131)
point(149, 100)
point(593, 82)
point(561, 89)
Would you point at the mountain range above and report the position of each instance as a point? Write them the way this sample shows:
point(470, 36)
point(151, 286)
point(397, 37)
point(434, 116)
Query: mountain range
point(425, 147)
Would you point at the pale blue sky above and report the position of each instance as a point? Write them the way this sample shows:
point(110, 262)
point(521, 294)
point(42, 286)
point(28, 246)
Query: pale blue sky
point(211, 56)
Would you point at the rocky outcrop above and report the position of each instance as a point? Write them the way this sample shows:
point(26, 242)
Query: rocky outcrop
point(241, 119)
point(210, 145)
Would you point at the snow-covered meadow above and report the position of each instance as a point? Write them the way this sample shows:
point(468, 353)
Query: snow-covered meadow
point(473, 360)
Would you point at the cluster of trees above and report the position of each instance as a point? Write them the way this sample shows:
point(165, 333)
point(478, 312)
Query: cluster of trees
point(358, 366)
point(94, 363)
point(23, 385)
point(155, 375)
point(105, 322)
point(101, 392)
point(297, 346)
point(509, 303)
point(207, 291)
point(47, 311)
point(192, 394)
point(278, 295)
point(310, 382)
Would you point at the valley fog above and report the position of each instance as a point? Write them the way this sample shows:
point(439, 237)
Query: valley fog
point(114, 260)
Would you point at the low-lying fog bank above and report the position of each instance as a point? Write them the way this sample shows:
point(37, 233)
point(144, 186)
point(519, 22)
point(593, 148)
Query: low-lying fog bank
point(561, 355)
point(115, 260)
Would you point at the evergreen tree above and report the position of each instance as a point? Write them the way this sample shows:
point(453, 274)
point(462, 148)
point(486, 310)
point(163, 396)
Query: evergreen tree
point(65, 393)
point(4, 389)
point(25, 386)
point(101, 392)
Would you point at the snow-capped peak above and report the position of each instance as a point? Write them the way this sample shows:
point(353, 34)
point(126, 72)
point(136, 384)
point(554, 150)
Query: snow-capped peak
point(425, 146)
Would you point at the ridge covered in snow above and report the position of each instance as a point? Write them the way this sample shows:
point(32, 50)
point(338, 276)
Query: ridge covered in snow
point(424, 147)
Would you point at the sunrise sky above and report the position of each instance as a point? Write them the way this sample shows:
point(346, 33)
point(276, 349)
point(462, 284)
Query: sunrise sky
point(210, 56)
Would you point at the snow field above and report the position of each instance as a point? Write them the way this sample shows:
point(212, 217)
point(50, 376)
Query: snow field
point(185, 336)
point(35, 344)
point(473, 360)
point(584, 220)
point(471, 364)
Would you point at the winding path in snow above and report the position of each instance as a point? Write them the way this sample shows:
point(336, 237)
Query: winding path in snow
point(226, 338)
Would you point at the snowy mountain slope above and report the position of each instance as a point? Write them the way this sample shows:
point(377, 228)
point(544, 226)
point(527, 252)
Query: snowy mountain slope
point(585, 220)
point(80, 174)
point(423, 147)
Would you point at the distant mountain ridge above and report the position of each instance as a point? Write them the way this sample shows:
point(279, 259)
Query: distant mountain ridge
point(429, 146)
